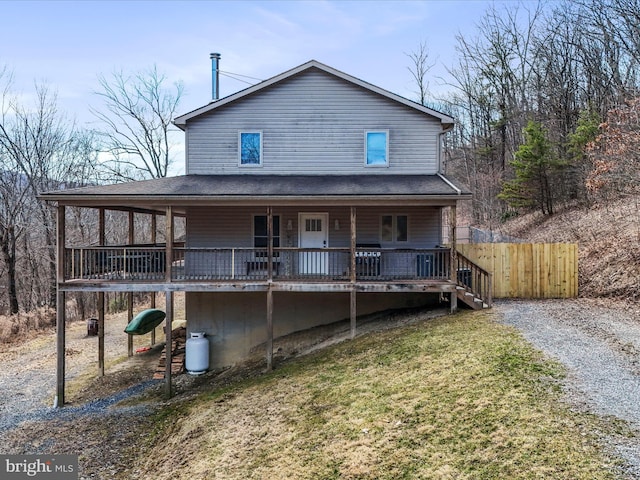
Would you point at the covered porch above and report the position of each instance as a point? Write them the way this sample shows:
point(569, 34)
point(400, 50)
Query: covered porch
point(222, 252)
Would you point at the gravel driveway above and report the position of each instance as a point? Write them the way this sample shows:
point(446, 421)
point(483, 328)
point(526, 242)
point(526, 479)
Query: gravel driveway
point(599, 343)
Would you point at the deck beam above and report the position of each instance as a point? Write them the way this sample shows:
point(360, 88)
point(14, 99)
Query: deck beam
point(400, 286)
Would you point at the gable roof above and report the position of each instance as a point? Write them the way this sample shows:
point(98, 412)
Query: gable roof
point(181, 121)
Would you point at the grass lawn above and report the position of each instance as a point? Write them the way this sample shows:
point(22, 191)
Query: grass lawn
point(457, 397)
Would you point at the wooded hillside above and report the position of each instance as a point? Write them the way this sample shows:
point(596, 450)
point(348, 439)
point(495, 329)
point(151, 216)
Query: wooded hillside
point(608, 237)
point(546, 98)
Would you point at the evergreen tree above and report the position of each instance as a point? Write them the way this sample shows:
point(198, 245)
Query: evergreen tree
point(579, 163)
point(537, 172)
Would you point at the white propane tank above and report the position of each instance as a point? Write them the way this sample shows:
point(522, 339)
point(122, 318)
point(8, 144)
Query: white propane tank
point(197, 354)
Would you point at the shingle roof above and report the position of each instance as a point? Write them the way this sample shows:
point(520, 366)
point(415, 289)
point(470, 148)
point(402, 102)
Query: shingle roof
point(257, 186)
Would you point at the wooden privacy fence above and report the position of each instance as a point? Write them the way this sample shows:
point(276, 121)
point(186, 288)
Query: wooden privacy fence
point(528, 270)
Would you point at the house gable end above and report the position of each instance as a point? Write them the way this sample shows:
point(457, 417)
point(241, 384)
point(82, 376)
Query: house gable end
point(313, 122)
point(181, 121)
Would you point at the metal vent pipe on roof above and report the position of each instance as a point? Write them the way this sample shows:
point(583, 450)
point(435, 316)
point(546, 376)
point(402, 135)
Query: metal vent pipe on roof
point(215, 75)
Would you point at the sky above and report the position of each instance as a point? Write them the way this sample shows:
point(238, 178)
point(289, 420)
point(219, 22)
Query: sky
point(66, 45)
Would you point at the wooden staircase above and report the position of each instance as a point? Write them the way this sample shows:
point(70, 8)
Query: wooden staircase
point(473, 284)
point(178, 350)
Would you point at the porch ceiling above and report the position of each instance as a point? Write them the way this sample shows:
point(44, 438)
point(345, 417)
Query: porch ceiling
point(186, 190)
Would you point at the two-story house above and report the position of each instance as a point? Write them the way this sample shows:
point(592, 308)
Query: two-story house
point(308, 198)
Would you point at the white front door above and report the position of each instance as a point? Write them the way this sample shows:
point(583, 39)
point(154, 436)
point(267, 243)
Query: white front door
point(313, 233)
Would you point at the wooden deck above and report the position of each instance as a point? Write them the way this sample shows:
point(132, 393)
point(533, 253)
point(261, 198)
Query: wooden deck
point(374, 270)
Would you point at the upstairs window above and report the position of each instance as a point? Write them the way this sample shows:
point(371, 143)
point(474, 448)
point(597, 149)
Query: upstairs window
point(250, 148)
point(377, 148)
point(394, 228)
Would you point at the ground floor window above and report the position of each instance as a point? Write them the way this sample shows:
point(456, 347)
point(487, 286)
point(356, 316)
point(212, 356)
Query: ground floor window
point(260, 237)
point(394, 228)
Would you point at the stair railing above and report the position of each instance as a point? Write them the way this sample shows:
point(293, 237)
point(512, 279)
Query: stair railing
point(474, 279)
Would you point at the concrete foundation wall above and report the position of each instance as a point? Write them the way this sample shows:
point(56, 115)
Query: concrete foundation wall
point(235, 323)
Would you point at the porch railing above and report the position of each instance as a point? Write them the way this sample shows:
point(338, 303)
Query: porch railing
point(115, 263)
point(249, 264)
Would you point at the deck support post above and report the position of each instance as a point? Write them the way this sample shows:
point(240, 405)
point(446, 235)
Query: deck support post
point(61, 347)
point(154, 227)
point(101, 242)
point(168, 300)
point(269, 329)
point(153, 305)
point(454, 257)
point(352, 312)
point(269, 289)
point(130, 294)
point(60, 309)
point(129, 318)
point(101, 334)
point(352, 268)
point(169, 343)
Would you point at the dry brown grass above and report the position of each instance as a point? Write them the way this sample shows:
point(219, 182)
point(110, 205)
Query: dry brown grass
point(452, 398)
point(18, 327)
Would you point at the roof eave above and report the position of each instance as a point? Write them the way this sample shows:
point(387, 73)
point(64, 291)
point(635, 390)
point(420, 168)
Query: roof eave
point(133, 200)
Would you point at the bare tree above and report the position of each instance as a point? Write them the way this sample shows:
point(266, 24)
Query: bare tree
point(419, 69)
point(41, 151)
point(13, 225)
point(137, 115)
point(548, 65)
point(615, 153)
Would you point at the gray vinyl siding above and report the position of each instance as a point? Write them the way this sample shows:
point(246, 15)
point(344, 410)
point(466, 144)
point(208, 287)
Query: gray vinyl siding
point(313, 123)
point(232, 227)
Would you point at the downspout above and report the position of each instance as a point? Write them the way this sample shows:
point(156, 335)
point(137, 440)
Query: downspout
point(452, 225)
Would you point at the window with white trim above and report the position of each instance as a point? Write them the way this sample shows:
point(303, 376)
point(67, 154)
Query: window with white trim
point(376, 145)
point(250, 148)
point(394, 228)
